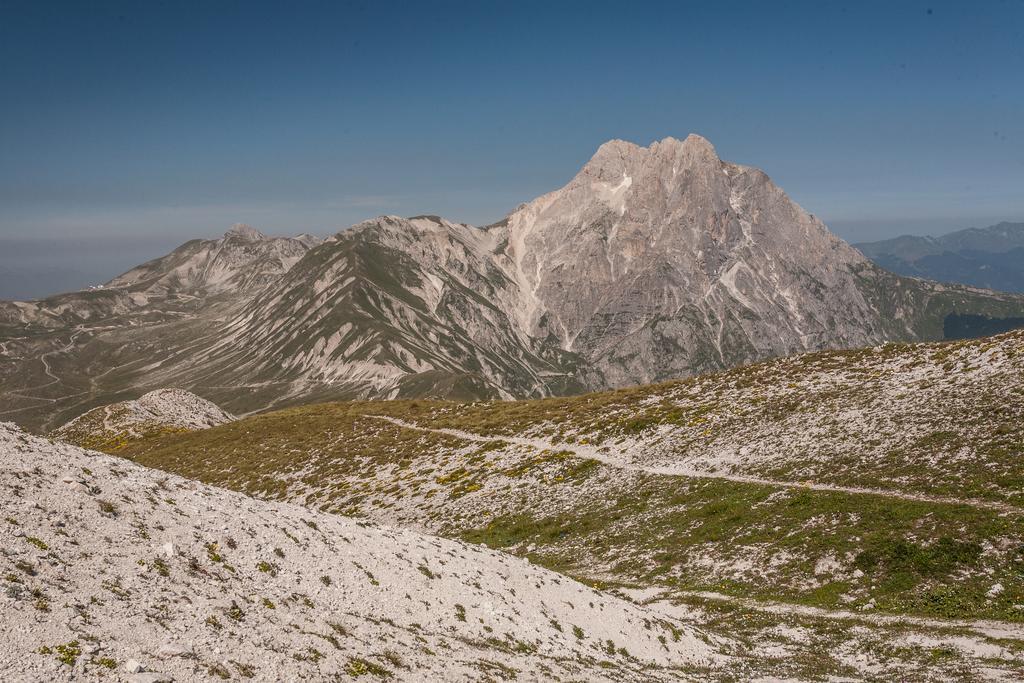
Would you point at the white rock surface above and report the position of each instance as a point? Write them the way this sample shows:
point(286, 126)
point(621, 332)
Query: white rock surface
point(279, 592)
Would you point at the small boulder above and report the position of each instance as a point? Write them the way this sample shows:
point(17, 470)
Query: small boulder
point(150, 677)
point(133, 667)
point(173, 650)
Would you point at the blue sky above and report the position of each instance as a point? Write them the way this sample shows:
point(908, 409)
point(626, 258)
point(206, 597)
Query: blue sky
point(162, 121)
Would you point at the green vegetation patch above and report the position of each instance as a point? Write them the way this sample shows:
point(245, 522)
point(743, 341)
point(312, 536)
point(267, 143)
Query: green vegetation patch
point(826, 549)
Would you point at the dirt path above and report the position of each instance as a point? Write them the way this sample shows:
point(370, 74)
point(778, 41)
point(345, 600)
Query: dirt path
point(594, 454)
point(47, 370)
point(989, 628)
point(106, 420)
point(985, 627)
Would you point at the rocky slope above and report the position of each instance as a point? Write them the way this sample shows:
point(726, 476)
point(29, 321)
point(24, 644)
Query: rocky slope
point(244, 259)
point(160, 411)
point(387, 303)
point(652, 263)
point(64, 355)
point(113, 571)
point(664, 261)
point(870, 487)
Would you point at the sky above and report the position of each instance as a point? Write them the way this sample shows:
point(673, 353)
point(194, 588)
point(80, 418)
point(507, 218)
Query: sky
point(128, 128)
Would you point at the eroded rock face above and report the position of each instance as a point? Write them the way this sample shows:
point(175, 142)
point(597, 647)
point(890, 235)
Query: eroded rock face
point(114, 570)
point(664, 261)
point(391, 301)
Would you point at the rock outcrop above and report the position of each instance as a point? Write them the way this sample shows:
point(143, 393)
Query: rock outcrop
point(156, 412)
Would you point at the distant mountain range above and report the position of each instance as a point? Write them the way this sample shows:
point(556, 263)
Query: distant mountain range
point(991, 257)
point(651, 263)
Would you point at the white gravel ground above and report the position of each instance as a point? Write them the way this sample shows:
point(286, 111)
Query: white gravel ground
point(131, 574)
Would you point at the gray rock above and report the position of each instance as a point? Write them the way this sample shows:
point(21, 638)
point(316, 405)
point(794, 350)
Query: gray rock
point(173, 650)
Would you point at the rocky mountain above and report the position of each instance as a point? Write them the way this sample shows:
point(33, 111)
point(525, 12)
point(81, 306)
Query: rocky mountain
point(115, 572)
point(244, 259)
point(392, 303)
point(651, 263)
point(239, 263)
point(68, 353)
point(160, 411)
point(990, 257)
point(853, 515)
point(664, 261)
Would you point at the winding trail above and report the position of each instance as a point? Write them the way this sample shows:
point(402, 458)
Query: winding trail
point(47, 370)
point(985, 627)
point(594, 454)
point(107, 427)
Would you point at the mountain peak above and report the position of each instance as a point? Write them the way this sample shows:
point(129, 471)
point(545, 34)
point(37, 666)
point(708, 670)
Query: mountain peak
point(613, 157)
point(694, 145)
point(699, 142)
point(308, 240)
point(244, 231)
point(617, 147)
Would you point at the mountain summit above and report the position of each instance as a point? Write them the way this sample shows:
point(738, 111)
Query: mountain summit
point(660, 261)
point(651, 263)
point(246, 232)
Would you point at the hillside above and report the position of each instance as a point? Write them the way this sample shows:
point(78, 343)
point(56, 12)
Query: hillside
point(115, 572)
point(834, 485)
point(66, 354)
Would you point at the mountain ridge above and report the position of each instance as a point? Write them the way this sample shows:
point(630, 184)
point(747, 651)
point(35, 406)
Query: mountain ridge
point(991, 257)
point(650, 263)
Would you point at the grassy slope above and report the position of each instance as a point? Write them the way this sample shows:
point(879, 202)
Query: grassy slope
point(939, 419)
